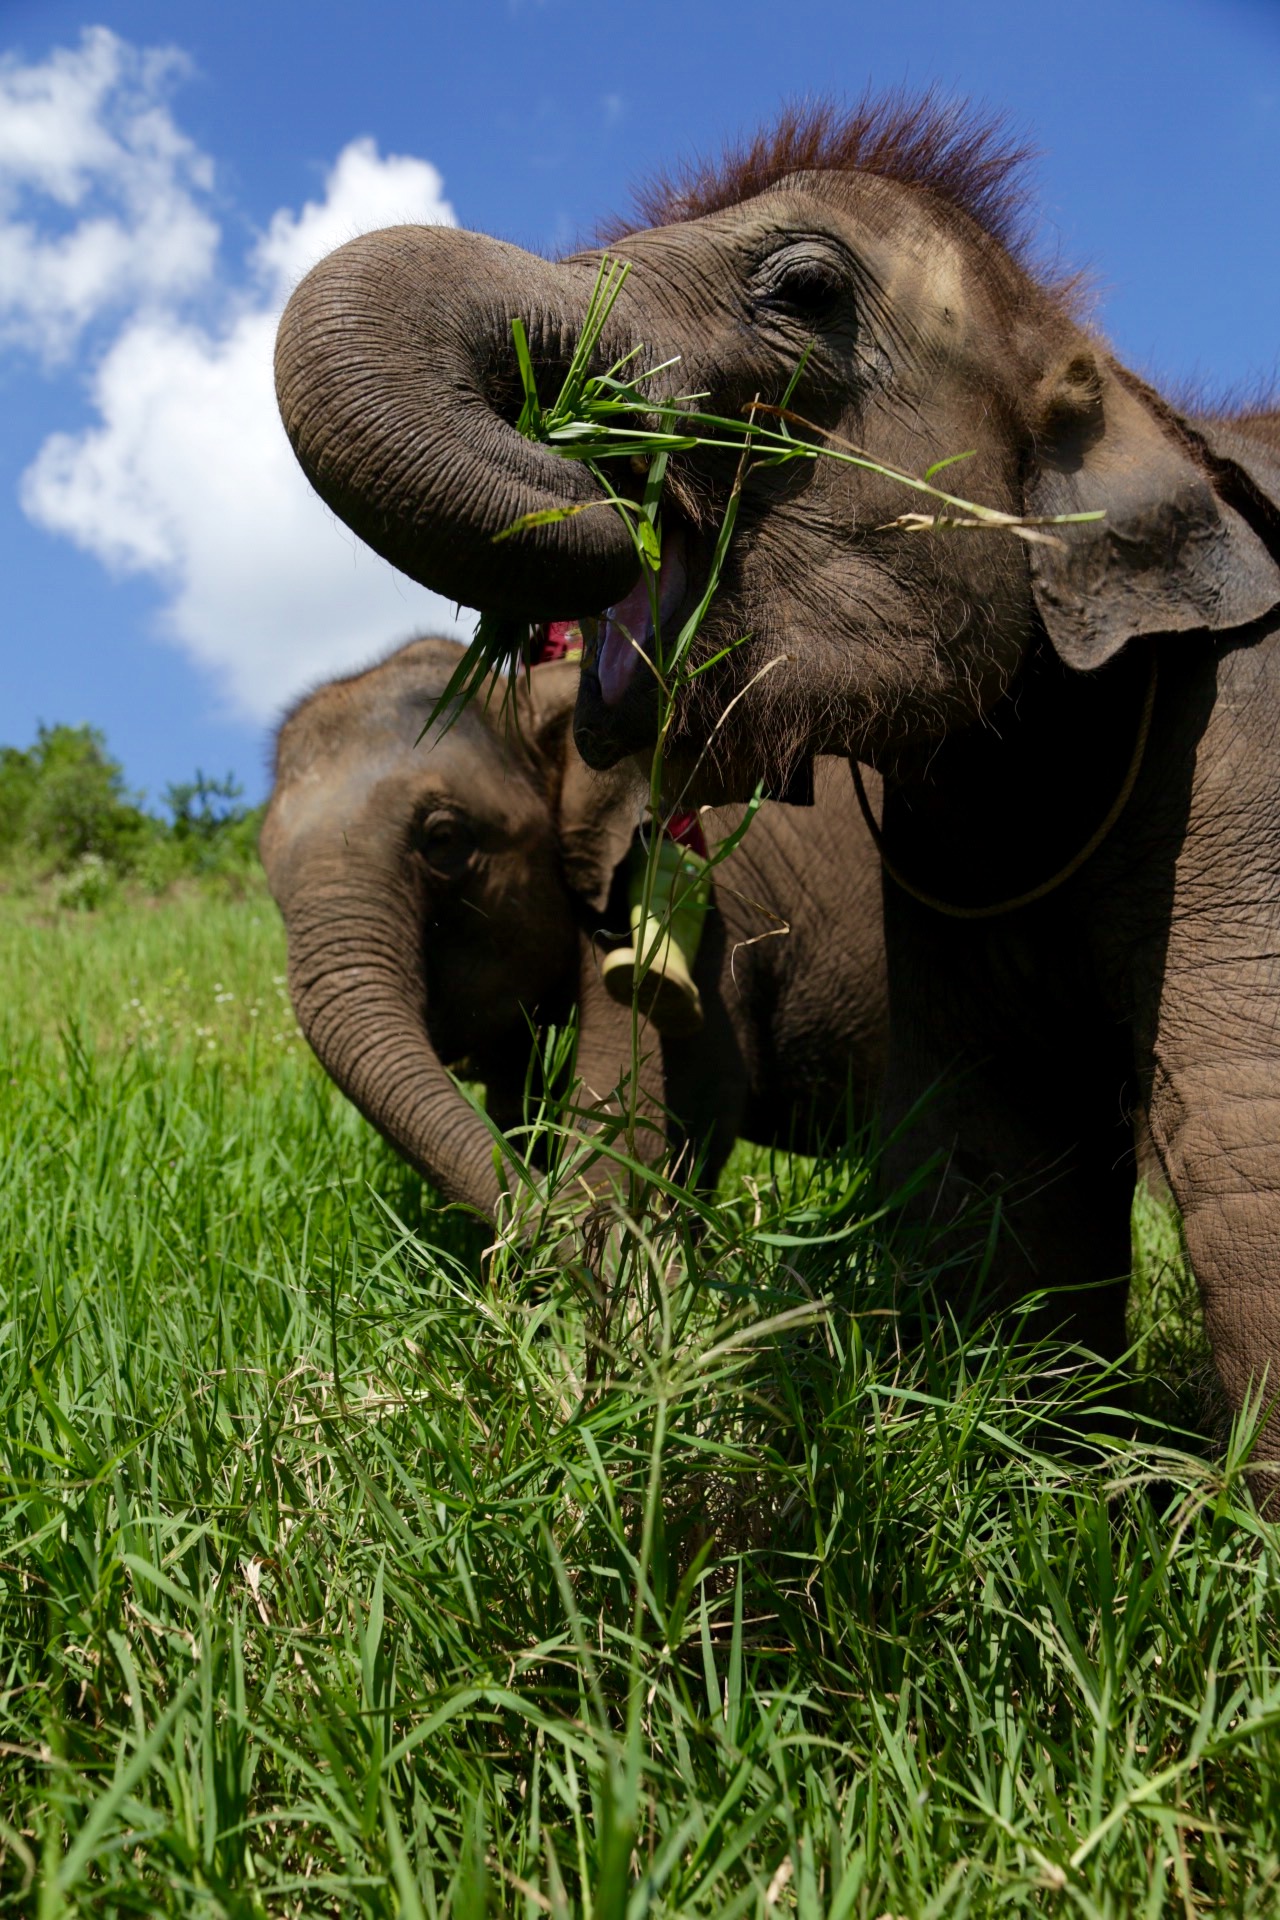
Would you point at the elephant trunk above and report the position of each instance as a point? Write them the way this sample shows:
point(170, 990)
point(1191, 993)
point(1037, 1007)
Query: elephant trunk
point(358, 987)
point(398, 386)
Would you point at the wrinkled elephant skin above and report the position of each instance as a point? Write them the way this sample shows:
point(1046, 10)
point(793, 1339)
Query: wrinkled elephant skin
point(442, 893)
point(998, 684)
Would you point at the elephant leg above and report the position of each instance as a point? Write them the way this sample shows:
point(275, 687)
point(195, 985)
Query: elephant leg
point(1064, 1194)
point(616, 1122)
point(1215, 1122)
point(1016, 1105)
point(707, 1078)
point(619, 1070)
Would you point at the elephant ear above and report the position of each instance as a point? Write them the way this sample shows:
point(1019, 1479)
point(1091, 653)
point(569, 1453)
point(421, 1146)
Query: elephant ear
point(596, 813)
point(1172, 554)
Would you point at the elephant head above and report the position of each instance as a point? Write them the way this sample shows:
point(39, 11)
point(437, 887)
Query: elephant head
point(880, 249)
point(438, 894)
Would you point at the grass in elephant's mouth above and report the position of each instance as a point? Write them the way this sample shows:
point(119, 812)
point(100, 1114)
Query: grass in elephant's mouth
point(602, 419)
point(598, 418)
point(341, 1572)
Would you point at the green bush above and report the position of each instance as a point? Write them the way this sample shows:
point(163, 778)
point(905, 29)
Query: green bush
point(214, 832)
point(65, 811)
point(89, 883)
point(65, 797)
point(19, 779)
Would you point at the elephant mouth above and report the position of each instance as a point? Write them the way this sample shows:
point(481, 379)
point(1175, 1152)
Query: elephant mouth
point(619, 695)
point(628, 637)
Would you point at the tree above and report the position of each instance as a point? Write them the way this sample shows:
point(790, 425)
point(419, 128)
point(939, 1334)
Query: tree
point(202, 808)
point(78, 802)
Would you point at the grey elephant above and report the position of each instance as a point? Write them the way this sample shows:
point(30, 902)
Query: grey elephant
point(443, 895)
point(1079, 731)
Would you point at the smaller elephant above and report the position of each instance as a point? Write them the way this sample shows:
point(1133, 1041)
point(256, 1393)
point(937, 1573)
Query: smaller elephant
point(444, 895)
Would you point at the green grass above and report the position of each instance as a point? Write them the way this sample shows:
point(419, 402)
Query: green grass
point(340, 1573)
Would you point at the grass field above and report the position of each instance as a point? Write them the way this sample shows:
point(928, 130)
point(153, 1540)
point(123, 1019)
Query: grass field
point(339, 1574)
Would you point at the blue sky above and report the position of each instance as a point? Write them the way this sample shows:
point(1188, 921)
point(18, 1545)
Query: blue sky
point(164, 576)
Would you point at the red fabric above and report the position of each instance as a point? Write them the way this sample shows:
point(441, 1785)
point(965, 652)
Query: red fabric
point(560, 640)
point(686, 830)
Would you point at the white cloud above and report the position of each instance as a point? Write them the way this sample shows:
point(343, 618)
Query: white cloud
point(101, 197)
point(362, 192)
point(187, 476)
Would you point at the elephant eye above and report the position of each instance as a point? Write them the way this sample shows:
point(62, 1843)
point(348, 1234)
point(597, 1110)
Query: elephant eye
point(804, 280)
point(446, 842)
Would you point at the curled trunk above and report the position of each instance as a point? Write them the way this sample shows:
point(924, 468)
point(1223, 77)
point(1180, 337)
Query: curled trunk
point(396, 376)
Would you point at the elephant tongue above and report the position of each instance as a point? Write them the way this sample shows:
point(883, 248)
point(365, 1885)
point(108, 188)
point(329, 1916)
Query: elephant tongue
point(627, 628)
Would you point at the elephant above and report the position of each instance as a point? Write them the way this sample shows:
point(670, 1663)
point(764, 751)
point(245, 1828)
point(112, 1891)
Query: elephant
point(1077, 724)
point(444, 896)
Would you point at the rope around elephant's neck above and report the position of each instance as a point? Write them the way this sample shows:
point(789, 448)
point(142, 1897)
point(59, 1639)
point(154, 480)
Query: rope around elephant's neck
point(1060, 878)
